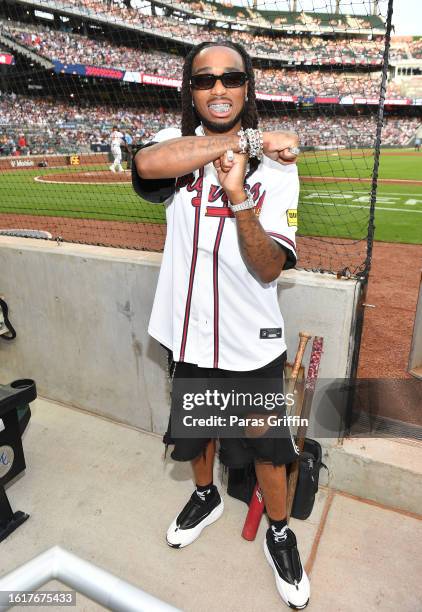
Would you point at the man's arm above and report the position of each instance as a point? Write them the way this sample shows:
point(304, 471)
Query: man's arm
point(179, 156)
point(262, 255)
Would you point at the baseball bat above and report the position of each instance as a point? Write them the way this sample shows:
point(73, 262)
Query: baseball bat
point(291, 382)
point(310, 384)
point(256, 505)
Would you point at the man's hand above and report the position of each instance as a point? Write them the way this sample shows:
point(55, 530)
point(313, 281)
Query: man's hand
point(277, 144)
point(231, 175)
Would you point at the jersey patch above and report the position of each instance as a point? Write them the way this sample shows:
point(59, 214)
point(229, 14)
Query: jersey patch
point(291, 217)
point(270, 332)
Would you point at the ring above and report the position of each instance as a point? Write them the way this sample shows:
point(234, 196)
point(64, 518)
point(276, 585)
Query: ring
point(294, 150)
point(230, 155)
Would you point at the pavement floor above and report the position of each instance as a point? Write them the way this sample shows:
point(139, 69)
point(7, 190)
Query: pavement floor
point(103, 491)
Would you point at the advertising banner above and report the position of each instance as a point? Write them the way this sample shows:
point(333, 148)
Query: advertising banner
point(7, 58)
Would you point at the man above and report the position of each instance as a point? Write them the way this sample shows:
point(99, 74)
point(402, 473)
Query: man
point(116, 140)
point(216, 307)
point(128, 140)
point(22, 144)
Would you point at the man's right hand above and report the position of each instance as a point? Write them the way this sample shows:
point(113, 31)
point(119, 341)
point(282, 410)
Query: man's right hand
point(277, 144)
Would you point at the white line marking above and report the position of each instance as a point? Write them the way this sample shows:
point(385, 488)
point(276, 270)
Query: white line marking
point(328, 193)
point(344, 179)
point(359, 207)
point(40, 179)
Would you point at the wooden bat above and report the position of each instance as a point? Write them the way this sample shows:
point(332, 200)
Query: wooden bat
point(305, 412)
point(292, 380)
point(256, 505)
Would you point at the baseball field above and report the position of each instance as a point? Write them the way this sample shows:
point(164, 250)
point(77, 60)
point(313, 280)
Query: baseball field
point(334, 198)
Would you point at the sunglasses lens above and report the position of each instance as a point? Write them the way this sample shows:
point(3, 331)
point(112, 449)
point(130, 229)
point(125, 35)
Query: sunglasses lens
point(203, 81)
point(229, 79)
point(233, 79)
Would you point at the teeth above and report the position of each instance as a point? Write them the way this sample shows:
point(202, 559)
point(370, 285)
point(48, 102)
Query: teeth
point(220, 108)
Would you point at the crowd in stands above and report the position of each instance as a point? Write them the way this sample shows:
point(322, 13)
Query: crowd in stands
point(294, 48)
point(323, 83)
point(73, 48)
point(76, 49)
point(51, 127)
point(227, 9)
point(342, 131)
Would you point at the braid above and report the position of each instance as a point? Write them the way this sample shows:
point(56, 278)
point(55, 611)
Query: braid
point(190, 119)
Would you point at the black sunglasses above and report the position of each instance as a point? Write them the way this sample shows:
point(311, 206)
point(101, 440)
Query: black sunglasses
point(229, 80)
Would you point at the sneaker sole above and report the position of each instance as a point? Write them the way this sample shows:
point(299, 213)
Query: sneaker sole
point(196, 531)
point(277, 578)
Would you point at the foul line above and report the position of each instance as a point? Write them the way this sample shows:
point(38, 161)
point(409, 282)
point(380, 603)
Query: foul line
point(411, 210)
point(355, 191)
point(41, 179)
point(343, 179)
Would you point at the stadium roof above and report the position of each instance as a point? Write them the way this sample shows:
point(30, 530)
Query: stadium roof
point(288, 20)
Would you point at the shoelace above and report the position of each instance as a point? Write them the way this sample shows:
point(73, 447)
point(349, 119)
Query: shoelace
point(203, 494)
point(279, 536)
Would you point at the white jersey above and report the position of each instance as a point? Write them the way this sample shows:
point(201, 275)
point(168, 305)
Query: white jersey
point(116, 139)
point(208, 308)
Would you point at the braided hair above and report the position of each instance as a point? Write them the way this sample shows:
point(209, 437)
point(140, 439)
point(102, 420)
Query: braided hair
point(190, 118)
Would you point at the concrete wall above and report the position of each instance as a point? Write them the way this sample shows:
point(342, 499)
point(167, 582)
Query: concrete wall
point(81, 315)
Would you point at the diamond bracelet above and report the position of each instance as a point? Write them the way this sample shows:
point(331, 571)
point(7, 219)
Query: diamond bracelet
point(251, 142)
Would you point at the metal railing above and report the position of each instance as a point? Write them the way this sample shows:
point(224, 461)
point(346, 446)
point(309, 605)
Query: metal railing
point(103, 587)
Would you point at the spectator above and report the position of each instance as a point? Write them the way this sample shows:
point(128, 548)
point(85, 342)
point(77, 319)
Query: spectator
point(52, 126)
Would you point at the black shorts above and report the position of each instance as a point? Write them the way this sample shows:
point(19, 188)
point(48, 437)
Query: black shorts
point(233, 452)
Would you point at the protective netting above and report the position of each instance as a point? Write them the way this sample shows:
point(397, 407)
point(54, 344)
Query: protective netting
point(70, 71)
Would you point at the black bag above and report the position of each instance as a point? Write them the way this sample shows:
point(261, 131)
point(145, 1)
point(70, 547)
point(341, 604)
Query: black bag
point(241, 481)
point(307, 483)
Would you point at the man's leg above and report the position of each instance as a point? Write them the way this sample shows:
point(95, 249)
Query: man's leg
point(203, 508)
point(129, 158)
point(119, 161)
point(203, 466)
point(273, 482)
point(280, 542)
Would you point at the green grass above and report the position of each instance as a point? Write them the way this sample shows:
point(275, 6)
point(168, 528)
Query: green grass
point(341, 210)
point(21, 194)
point(358, 164)
point(325, 209)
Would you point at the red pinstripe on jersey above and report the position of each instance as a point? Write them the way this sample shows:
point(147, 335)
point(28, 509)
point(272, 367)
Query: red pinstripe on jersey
point(196, 203)
point(215, 288)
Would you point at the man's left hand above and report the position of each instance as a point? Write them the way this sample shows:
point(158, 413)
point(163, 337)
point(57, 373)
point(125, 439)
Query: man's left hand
point(231, 174)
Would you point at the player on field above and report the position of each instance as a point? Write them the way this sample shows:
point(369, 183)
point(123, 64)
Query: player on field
point(231, 195)
point(128, 140)
point(116, 140)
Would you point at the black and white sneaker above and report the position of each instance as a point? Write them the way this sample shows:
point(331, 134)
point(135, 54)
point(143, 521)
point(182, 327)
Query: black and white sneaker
point(290, 577)
point(197, 514)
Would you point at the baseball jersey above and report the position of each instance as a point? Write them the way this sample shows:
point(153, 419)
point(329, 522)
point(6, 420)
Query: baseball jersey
point(116, 138)
point(208, 308)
